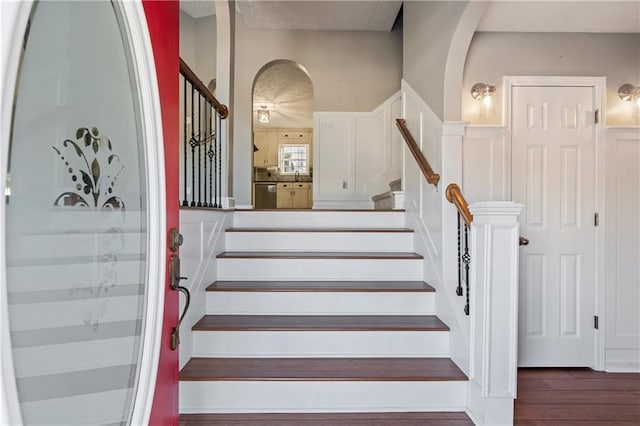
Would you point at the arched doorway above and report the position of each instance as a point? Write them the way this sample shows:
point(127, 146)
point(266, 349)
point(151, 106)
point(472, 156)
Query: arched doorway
point(282, 124)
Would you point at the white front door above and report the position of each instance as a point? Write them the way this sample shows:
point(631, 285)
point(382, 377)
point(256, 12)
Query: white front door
point(553, 175)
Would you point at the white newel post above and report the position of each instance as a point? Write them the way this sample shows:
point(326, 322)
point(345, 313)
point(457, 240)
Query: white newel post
point(494, 312)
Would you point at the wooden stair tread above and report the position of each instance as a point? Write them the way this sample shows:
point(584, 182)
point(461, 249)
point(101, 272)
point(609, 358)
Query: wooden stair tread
point(320, 323)
point(317, 255)
point(322, 286)
point(323, 230)
point(321, 369)
point(328, 419)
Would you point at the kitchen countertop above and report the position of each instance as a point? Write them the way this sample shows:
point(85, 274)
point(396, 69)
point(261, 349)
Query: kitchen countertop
point(272, 181)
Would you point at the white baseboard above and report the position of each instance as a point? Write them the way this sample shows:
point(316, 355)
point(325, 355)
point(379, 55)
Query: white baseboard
point(622, 361)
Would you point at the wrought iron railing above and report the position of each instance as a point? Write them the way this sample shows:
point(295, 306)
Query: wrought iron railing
point(454, 195)
point(202, 145)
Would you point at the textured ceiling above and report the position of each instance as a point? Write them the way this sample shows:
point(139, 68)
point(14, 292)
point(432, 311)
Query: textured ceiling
point(361, 15)
point(520, 16)
point(562, 16)
point(287, 92)
point(198, 8)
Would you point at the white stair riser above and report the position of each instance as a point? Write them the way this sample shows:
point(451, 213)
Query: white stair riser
point(367, 344)
point(318, 218)
point(319, 396)
point(319, 269)
point(320, 303)
point(319, 241)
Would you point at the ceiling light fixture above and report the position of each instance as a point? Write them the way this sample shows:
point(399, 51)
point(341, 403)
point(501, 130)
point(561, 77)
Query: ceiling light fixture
point(631, 93)
point(483, 93)
point(263, 114)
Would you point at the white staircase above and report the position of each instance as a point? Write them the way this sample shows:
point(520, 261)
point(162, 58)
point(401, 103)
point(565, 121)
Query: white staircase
point(320, 311)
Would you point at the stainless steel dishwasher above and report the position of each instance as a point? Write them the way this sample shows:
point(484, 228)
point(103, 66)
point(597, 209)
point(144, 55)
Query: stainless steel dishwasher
point(265, 195)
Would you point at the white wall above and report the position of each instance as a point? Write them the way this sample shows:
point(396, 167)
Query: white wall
point(350, 71)
point(493, 55)
point(188, 39)
point(622, 250)
point(428, 28)
point(198, 45)
point(486, 176)
point(428, 213)
point(356, 155)
point(203, 232)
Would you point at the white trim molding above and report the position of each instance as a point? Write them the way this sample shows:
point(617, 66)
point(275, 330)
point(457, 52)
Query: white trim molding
point(151, 119)
point(14, 17)
point(494, 311)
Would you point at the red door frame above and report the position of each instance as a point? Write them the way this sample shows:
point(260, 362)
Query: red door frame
point(163, 23)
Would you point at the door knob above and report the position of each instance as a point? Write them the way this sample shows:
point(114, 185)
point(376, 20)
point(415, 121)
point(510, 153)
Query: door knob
point(523, 241)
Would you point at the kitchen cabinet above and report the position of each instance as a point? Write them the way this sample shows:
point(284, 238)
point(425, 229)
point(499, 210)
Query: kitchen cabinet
point(267, 154)
point(293, 195)
point(297, 136)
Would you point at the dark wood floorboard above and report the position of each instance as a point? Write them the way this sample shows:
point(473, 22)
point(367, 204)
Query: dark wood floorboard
point(576, 396)
point(322, 369)
point(321, 286)
point(328, 419)
point(377, 230)
point(316, 255)
point(320, 323)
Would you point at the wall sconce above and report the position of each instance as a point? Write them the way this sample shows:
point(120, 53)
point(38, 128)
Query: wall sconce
point(631, 93)
point(483, 93)
point(263, 114)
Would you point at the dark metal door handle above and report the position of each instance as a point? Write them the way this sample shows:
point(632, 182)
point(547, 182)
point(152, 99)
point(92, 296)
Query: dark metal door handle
point(523, 241)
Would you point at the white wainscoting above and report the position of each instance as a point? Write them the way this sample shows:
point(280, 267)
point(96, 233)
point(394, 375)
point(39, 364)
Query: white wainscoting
point(356, 155)
point(486, 164)
point(204, 237)
point(622, 251)
point(424, 204)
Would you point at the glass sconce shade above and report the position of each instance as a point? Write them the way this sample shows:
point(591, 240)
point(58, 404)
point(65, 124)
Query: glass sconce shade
point(483, 93)
point(631, 93)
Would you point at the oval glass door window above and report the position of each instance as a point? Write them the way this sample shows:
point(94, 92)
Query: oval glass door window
point(76, 218)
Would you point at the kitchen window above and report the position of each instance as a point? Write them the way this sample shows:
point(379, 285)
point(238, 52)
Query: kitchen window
point(294, 159)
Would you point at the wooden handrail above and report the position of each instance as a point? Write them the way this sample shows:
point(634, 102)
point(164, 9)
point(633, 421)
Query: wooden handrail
point(455, 197)
point(193, 79)
point(427, 171)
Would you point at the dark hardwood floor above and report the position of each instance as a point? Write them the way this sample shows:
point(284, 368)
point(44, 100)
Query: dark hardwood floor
point(576, 396)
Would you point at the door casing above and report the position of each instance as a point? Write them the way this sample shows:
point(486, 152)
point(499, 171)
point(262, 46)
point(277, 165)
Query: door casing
point(599, 84)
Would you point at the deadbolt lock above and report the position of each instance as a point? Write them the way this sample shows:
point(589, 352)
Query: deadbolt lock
point(175, 240)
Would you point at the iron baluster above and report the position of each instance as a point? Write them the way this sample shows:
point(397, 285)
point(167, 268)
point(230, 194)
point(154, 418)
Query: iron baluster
point(219, 155)
point(184, 142)
point(459, 288)
point(199, 150)
point(207, 110)
point(193, 142)
point(466, 258)
point(211, 135)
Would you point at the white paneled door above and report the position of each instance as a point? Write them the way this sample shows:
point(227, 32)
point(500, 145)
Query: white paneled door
point(553, 175)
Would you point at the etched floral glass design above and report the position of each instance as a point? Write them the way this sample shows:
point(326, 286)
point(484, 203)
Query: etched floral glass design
point(76, 218)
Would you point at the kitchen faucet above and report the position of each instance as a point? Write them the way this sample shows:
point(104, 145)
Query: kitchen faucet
point(297, 176)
